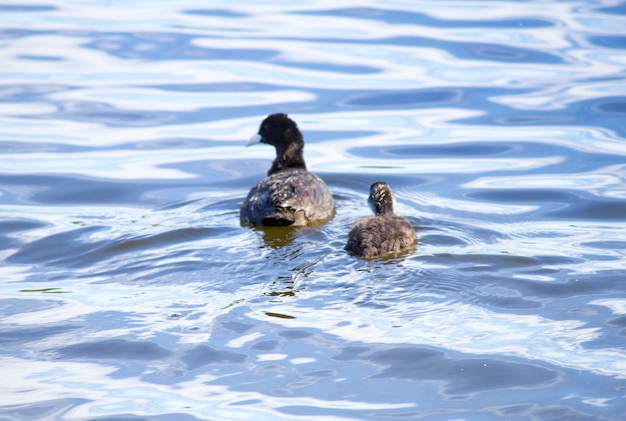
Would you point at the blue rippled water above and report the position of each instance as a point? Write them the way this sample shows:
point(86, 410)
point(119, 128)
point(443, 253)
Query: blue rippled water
point(129, 289)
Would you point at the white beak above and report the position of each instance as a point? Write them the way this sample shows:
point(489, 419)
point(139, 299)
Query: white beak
point(254, 140)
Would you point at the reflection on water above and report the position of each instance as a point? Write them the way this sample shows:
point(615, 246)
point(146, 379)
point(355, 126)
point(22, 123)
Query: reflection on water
point(122, 168)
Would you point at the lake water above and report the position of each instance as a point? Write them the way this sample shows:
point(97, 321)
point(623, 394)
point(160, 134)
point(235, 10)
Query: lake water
point(129, 289)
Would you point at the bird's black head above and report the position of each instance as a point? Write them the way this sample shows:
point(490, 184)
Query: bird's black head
point(282, 132)
point(278, 130)
point(381, 198)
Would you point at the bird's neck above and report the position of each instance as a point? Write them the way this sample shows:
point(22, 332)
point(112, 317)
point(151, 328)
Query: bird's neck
point(382, 208)
point(287, 158)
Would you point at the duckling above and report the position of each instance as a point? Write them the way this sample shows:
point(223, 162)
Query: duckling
point(383, 233)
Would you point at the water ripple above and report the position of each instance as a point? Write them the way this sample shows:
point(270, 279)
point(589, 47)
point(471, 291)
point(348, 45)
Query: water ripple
point(498, 125)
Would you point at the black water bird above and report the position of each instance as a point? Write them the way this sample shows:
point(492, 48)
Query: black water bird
point(383, 233)
point(289, 195)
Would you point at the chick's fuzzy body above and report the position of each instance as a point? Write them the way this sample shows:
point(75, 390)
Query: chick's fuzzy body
point(378, 235)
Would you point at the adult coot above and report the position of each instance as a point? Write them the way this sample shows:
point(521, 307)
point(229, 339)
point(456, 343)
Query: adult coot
point(289, 195)
point(384, 233)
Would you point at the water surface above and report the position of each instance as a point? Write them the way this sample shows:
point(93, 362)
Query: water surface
point(129, 289)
